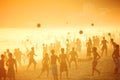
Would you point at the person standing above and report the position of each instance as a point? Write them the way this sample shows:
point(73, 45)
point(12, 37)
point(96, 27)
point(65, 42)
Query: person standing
point(63, 63)
point(45, 65)
point(104, 46)
point(96, 57)
point(115, 57)
point(2, 68)
point(31, 58)
point(73, 57)
point(89, 48)
point(54, 59)
point(12, 67)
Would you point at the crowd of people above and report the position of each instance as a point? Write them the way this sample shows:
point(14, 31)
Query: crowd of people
point(54, 54)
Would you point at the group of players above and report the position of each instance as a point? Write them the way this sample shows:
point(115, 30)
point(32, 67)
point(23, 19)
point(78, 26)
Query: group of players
point(64, 59)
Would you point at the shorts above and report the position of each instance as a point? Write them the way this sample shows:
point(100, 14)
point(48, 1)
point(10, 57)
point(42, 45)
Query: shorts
point(2, 73)
point(45, 67)
point(63, 67)
point(11, 73)
point(54, 69)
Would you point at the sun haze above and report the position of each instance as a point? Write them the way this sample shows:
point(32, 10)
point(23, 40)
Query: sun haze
point(52, 34)
point(57, 13)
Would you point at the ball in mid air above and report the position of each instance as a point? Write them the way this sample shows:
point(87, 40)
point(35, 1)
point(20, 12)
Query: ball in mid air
point(38, 25)
point(92, 24)
point(80, 32)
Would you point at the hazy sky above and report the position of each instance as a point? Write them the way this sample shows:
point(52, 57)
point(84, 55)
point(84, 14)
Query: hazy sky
point(57, 13)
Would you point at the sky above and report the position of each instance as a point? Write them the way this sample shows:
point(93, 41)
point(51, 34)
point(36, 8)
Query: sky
point(59, 13)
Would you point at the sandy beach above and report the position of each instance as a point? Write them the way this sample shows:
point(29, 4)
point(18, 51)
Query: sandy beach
point(105, 65)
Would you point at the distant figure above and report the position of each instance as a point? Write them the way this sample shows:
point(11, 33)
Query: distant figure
point(18, 55)
point(78, 45)
point(31, 58)
point(5, 56)
point(89, 47)
point(8, 52)
point(44, 49)
point(45, 65)
point(104, 46)
point(94, 41)
point(97, 41)
point(2, 68)
point(115, 57)
point(73, 57)
point(67, 46)
point(63, 63)
point(54, 59)
point(12, 67)
point(96, 57)
point(113, 43)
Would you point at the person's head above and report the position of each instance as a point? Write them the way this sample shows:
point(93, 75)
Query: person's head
point(32, 48)
point(77, 39)
point(103, 38)
point(43, 44)
point(8, 50)
point(73, 49)
point(62, 50)
point(112, 40)
point(2, 56)
point(89, 39)
point(52, 51)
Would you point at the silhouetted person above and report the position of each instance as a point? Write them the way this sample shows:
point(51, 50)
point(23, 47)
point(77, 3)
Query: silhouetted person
point(67, 46)
point(104, 46)
point(54, 59)
point(44, 49)
point(97, 41)
point(96, 57)
point(115, 57)
point(12, 67)
point(31, 58)
point(94, 41)
point(113, 44)
point(63, 63)
point(18, 55)
point(5, 56)
point(45, 65)
point(73, 57)
point(78, 45)
point(2, 68)
point(89, 48)
point(8, 52)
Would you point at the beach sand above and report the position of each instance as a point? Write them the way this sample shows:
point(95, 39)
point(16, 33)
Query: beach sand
point(83, 72)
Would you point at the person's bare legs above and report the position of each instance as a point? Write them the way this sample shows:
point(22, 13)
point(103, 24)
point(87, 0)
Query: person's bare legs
point(60, 75)
point(76, 65)
point(67, 74)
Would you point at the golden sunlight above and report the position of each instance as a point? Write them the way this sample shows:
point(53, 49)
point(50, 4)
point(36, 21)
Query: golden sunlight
point(78, 37)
